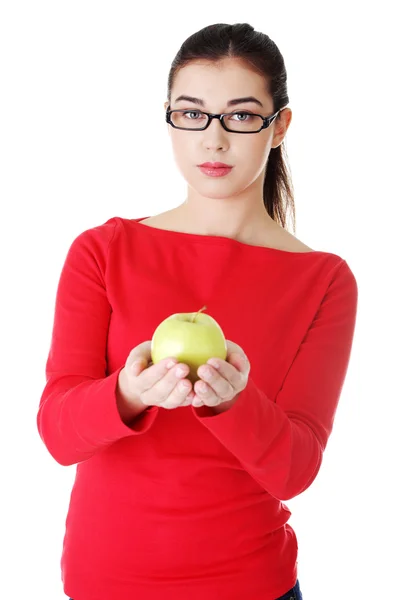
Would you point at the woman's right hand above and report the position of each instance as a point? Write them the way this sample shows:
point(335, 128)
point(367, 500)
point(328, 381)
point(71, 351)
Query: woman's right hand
point(157, 385)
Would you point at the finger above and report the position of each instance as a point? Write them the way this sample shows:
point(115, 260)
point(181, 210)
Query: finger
point(138, 359)
point(235, 352)
point(218, 381)
point(181, 395)
point(233, 370)
point(143, 350)
point(233, 347)
point(206, 394)
point(138, 366)
point(189, 398)
point(150, 375)
point(239, 360)
point(159, 388)
point(197, 402)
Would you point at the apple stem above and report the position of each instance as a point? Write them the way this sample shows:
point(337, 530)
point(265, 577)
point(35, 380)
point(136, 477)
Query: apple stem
point(199, 311)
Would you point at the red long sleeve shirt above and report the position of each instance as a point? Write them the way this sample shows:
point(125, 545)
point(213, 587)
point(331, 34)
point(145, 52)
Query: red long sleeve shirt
point(184, 504)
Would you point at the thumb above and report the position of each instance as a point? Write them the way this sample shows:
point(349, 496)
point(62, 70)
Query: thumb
point(138, 358)
point(138, 365)
point(238, 360)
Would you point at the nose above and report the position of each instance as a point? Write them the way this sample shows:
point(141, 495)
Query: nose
point(215, 135)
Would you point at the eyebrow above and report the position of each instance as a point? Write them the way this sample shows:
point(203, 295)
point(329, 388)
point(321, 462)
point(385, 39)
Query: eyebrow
point(229, 103)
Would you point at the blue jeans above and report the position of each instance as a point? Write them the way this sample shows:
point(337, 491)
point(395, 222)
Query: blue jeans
point(293, 594)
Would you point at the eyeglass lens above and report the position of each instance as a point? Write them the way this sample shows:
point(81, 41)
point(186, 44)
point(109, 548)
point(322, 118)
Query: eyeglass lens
point(196, 119)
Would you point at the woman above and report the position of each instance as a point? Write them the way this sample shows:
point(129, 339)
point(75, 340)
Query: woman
point(179, 504)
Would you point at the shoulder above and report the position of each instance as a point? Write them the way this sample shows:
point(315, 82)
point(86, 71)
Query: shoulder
point(96, 239)
point(104, 231)
point(283, 240)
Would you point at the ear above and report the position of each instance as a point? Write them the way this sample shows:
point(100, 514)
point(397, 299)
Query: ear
point(166, 104)
point(281, 125)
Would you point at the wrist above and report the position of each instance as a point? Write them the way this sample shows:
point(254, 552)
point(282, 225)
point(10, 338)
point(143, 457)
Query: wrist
point(129, 406)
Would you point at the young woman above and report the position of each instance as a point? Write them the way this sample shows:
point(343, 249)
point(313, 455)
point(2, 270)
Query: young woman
point(180, 484)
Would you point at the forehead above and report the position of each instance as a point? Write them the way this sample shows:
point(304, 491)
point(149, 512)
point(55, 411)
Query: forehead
point(227, 78)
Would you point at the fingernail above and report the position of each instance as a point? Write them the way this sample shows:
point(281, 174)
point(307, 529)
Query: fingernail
point(171, 363)
point(213, 363)
point(206, 374)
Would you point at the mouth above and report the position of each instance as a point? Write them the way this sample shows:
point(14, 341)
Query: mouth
point(215, 165)
point(215, 171)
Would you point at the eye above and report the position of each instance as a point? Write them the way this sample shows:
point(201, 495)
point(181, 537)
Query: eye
point(246, 114)
point(192, 112)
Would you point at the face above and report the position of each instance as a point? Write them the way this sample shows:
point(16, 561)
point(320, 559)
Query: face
point(216, 84)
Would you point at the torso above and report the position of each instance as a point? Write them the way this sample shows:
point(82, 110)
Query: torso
point(278, 238)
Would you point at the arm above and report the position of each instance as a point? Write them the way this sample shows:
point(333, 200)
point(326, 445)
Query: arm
point(82, 411)
point(281, 443)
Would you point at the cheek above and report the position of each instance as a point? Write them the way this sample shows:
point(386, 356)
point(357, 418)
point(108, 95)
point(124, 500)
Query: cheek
point(251, 156)
point(250, 150)
point(183, 150)
point(256, 156)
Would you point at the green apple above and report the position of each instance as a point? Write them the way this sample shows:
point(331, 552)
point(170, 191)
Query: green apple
point(191, 338)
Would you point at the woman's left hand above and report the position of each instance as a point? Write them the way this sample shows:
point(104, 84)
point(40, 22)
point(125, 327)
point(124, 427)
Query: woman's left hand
point(227, 378)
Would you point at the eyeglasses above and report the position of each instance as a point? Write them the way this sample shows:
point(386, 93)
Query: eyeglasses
point(252, 123)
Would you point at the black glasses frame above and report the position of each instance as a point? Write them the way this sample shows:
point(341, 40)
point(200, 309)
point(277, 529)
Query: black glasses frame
point(266, 120)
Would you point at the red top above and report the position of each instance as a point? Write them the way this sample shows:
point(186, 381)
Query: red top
point(185, 504)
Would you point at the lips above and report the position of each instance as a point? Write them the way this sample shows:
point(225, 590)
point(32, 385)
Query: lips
point(215, 165)
point(215, 171)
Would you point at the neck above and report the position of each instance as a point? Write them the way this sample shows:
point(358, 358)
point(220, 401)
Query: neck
point(224, 217)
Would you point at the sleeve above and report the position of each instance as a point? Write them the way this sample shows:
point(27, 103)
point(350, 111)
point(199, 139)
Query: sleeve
point(78, 414)
point(280, 444)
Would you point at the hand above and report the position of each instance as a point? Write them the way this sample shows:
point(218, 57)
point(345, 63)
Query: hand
point(227, 379)
point(159, 384)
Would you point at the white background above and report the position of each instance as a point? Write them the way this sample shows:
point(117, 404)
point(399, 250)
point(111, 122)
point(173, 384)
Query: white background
point(76, 150)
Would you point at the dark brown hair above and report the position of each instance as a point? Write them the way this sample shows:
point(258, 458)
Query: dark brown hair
point(219, 41)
